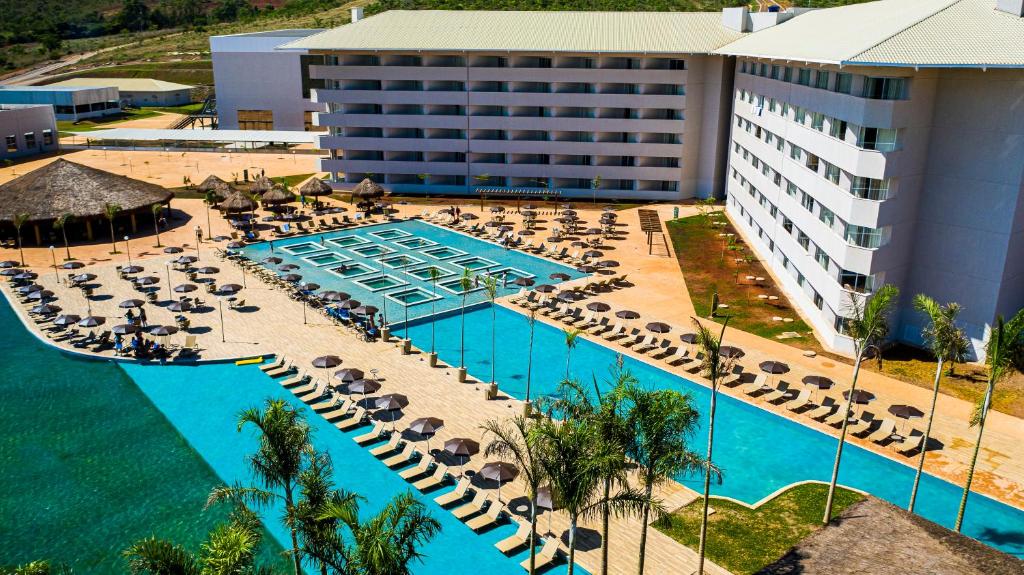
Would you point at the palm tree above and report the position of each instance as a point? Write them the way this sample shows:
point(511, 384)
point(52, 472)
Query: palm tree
point(572, 335)
point(867, 326)
point(573, 457)
point(947, 342)
point(284, 437)
point(661, 423)
point(156, 209)
point(531, 320)
point(61, 223)
point(19, 220)
point(316, 495)
point(255, 197)
point(111, 211)
point(512, 441)
point(435, 274)
point(465, 284)
point(595, 185)
point(210, 199)
point(1004, 354)
point(491, 287)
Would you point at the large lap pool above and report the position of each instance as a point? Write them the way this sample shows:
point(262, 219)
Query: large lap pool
point(758, 451)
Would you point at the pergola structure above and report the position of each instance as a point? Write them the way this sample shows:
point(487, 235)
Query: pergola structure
point(518, 193)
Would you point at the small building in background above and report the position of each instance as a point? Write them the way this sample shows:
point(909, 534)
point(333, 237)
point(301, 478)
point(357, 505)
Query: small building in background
point(27, 129)
point(261, 88)
point(69, 102)
point(138, 92)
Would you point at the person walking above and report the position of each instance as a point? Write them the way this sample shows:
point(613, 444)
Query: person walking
point(142, 317)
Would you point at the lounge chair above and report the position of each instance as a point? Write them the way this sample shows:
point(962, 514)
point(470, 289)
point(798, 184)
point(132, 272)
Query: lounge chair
point(635, 337)
point(682, 355)
point(390, 447)
point(884, 432)
point(421, 468)
point(515, 541)
point(600, 327)
point(758, 385)
point(863, 425)
point(402, 458)
point(781, 391)
point(278, 372)
point(296, 380)
point(616, 332)
point(275, 365)
point(476, 505)
point(489, 518)
point(321, 388)
point(309, 387)
point(547, 555)
point(372, 435)
point(801, 401)
point(453, 496)
point(664, 348)
point(912, 444)
point(648, 344)
point(733, 379)
point(827, 408)
point(575, 316)
point(836, 419)
point(339, 411)
point(436, 480)
point(352, 422)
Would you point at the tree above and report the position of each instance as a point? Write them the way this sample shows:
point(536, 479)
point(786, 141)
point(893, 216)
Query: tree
point(531, 320)
point(465, 284)
point(947, 342)
point(867, 325)
point(210, 199)
point(1004, 354)
point(572, 456)
point(571, 339)
point(134, 16)
point(491, 287)
point(317, 495)
point(111, 211)
point(434, 275)
point(512, 441)
point(595, 185)
point(255, 197)
point(156, 209)
point(19, 220)
point(284, 437)
point(61, 223)
point(715, 367)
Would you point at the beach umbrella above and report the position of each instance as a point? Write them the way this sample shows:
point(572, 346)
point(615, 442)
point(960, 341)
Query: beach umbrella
point(368, 189)
point(348, 375)
point(162, 330)
point(221, 238)
point(67, 319)
point(185, 288)
point(92, 321)
point(10, 272)
point(658, 327)
point(365, 310)
point(905, 411)
point(567, 296)
point(147, 281)
point(499, 471)
point(559, 276)
point(493, 224)
point(131, 303)
point(235, 245)
point(186, 260)
point(363, 386)
point(598, 306)
point(729, 351)
point(133, 269)
point(773, 367)
point(607, 264)
point(308, 286)
point(525, 232)
point(273, 260)
point(7, 264)
point(291, 278)
point(626, 314)
point(40, 294)
point(593, 231)
point(859, 396)
point(124, 329)
point(173, 250)
point(333, 296)
point(586, 269)
point(180, 306)
point(350, 304)
point(524, 282)
point(462, 448)
point(569, 212)
point(45, 309)
point(426, 427)
point(530, 206)
point(580, 244)
point(208, 270)
point(229, 289)
point(72, 265)
point(315, 187)
point(278, 195)
point(327, 361)
point(82, 278)
point(593, 254)
point(25, 276)
point(391, 402)
point(819, 381)
point(261, 185)
point(688, 338)
point(287, 267)
point(497, 209)
point(469, 216)
point(29, 289)
point(544, 288)
point(238, 202)
point(546, 501)
point(528, 212)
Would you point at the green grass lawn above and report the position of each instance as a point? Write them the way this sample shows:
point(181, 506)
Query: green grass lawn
point(744, 540)
point(65, 126)
point(291, 181)
point(183, 110)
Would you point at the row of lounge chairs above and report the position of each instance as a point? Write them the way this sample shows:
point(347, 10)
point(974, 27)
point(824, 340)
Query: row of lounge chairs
point(321, 225)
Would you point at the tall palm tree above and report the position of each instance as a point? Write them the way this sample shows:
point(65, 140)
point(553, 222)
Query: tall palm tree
point(572, 455)
point(867, 325)
point(284, 450)
point(661, 423)
point(512, 441)
point(316, 495)
point(156, 209)
point(572, 335)
point(531, 320)
point(256, 198)
point(435, 274)
point(210, 199)
point(19, 220)
point(465, 284)
point(947, 342)
point(61, 223)
point(111, 211)
point(1004, 354)
point(491, 287)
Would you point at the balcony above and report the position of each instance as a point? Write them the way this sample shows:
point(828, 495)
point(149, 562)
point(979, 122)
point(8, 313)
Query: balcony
point(389, 97)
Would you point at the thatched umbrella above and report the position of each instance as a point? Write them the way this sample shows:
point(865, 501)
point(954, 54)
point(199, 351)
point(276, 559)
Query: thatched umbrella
point(238, 202)
point(367, 189)
point(315, 187)
point(261, 185)
point(219, 187)
point(278, 195)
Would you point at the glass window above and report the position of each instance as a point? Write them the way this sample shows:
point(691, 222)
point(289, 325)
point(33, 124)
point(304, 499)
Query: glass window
point(804, 77)
point(881, 139)
point(884, 88)
point(791, 189)
point(844, 83)
point(47, 137)
point(837, 128)
point(854, 281)
point(818, 121)
point(776, 72)
point(826, 216)
point(803, 240)
point(821, 80)
point(787, 75)
point(30, 140)
point(807, 202)
point(799, 115)
point(12, 143)
point(795, 152)
point(869, 189)
point(819, 301)
point(832, 173)
point(787, 224)
point(821, 257)
point(863, 236)
point(255, 120)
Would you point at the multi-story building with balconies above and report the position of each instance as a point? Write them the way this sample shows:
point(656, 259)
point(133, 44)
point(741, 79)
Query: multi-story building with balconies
point(884, 143)
point(445, 102)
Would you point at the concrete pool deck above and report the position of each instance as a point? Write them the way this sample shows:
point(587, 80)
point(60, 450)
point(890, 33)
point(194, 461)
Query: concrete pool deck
point(658, 294)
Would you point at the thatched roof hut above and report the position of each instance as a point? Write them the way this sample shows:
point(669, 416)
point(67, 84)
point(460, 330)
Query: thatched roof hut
point(238, 202)
point(368, 189)
point(315, 187)
point(261, 185)
point(278, 195)
point(216, 185)
point(63, 187)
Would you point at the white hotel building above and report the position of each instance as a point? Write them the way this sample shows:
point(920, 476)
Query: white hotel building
point(868, 144)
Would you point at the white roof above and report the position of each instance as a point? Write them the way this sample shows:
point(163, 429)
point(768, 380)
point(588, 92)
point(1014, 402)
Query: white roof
point(525, 31)
point(941, 33)
point(126, 84)
point(149, 135)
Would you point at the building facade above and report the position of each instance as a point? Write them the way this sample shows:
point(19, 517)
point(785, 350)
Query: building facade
point(27, 129)
point(68, 102)
point(259, 87)
point(138, 92)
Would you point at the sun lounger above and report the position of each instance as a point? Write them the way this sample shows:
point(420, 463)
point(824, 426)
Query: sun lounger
point(296, 380)
point(515, 541)
point(600, 327)
point(733, 379)
point(339, 411)
point(912, 444)
point(309, 387)
point(278, 372)
point(884, 431)
point(352, 422)
point(402, 458)
point(758, 385)
point(664, 348)
point(436, 480)
point(473, 507)
point(391, 446)
point(781, 391)
point(574, 317)
point(800, 401)
point(275, 365)
point(681, 356)
point(420, 469)
point(328, 405)
point(863, 424)
point(321, 387)
point(372, 435)
point(635, 338)
point(836, 419)
point(827, 408)
point(455, 495)
point(490, 517)
point(547, 555)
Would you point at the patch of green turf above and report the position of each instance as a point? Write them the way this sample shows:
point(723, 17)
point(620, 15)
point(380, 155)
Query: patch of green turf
point(744, 540)
point(104, 122)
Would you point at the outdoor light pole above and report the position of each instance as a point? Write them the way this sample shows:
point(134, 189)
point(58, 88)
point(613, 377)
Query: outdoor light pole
point(56, 276)
point(128, 250)
point(170, 295)
point(220, 306)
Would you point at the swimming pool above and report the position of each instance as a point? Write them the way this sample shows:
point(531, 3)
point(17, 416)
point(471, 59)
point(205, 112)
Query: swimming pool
point(388, 266)
point(202, 402)
point(758, 451)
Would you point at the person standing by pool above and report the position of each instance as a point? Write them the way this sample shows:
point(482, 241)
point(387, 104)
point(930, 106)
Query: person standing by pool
point(142, 316)
point(271, 246)
point(199, 233)
point(129, 317)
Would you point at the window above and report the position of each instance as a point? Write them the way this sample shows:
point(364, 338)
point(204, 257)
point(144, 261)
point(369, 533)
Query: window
point(803, 77)
point(821, 257)
point(818, 121)
point(47, 137)
point(787, 224)
point(811, 162)
point(819, 302)
point(807, 201)
point(837, 128)
point(840, 325)
point(827, 216)
point(854, 281)
point(844, 83)
point(791, 189)
point(30, 140)
point(803, 240)
point(869, 189)
point(884, 88)
point(255, 120)
point(832, 173)
point(799, 115)
point(800, 279)
point(795, 152)
point(12, 143)
point(787, 75)
point(776, 72)
point(821, 80)
point(881, 139)
point(863, 236)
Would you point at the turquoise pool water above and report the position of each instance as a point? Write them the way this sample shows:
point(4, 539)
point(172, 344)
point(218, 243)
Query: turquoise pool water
point(89, 464)
point(202, 403)
point(758, 451)
point(386, 266)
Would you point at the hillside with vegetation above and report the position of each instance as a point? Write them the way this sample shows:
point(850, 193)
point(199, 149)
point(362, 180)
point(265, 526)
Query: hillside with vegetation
point(603, 5)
